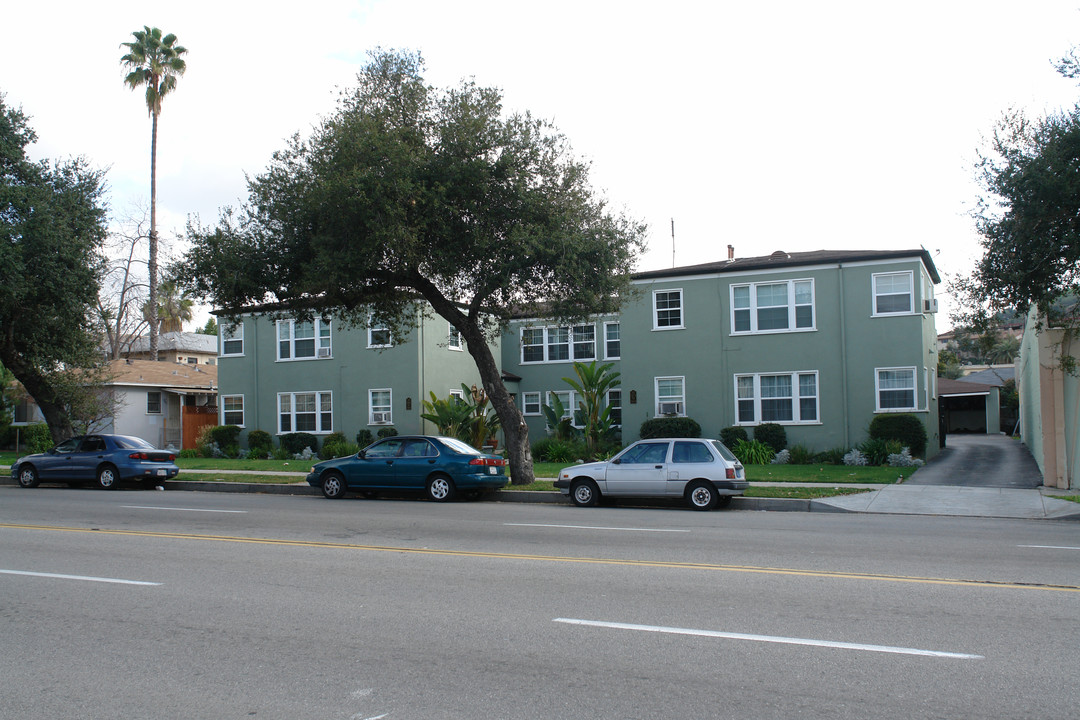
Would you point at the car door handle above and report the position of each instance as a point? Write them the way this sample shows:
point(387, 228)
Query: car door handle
point(659, 467)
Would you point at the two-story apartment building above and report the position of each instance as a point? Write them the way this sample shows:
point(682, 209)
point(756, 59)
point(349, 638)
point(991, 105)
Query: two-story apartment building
point(319, 377)
point(819, 342)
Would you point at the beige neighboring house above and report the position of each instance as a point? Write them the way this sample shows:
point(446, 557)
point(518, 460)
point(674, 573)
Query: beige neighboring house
point(164, 403)
point(177, 347)
point(1049, 404)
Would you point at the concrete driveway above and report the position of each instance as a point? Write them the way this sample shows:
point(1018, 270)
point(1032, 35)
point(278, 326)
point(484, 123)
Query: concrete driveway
point(974, 476)
point(992, 461)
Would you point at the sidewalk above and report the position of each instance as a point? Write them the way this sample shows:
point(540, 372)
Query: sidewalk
point(911, 499)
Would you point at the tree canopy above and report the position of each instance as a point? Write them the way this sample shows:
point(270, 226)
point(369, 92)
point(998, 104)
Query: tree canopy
point(52, 226)
point(1028, 216)
point(407, 192)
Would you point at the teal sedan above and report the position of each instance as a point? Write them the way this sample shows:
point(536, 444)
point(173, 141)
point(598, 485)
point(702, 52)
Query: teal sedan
point(441, 467)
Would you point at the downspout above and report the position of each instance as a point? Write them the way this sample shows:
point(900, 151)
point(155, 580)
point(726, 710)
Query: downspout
point(843, 360)
point(423, 373)
point(254, 346)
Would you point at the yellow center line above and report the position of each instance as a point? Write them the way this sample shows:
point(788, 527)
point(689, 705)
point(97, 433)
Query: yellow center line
point(559, 558)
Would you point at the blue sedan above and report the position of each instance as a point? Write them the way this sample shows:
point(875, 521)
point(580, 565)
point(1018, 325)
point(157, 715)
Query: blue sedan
point(103, 459)
point(439, 466)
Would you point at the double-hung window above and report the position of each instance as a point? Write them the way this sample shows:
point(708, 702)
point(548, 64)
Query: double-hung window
point(566, 399)
point(378, 335)
point(558, 344)
point(232, 410)
point(454, 340)
point(303, 340)
point(232, 338)
point(612, 341)
point(893, 293)
point(787, 398)
point(153, 402)
point(772, 307)
point(667, 309)
point(380, 407)
point(530, 403)
point(895, 389)
point(614, 403)
point(670, 396)
point(305, 412)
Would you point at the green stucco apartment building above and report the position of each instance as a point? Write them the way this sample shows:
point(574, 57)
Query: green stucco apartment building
point(819, 342)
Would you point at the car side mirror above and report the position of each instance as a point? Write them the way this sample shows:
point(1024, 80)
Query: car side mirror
point(616, 462)
point(362, 454)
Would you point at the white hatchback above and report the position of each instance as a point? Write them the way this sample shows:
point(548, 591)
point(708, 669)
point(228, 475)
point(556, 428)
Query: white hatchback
point(703, 472)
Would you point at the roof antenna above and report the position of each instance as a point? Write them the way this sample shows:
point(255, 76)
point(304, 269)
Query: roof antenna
point(672, 242)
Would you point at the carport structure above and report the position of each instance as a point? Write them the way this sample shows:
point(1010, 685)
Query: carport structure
point(969, 407)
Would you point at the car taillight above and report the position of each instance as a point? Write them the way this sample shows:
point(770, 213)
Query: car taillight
point(139, 456)
point(498, 462)
point(731, 473)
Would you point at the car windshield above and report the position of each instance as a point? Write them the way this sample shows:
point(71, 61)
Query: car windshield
point(458, 446)
point(724, 452)
point(125, 442)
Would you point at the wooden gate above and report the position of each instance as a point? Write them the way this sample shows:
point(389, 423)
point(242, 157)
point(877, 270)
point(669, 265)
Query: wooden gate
point(194, 420)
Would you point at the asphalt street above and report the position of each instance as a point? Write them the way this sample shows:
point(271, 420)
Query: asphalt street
point(136, 604)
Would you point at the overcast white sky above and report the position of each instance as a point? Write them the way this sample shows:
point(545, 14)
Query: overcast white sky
point(786, 125)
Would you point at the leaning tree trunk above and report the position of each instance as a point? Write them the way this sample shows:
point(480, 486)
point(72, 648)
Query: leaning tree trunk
point(152, 315)
point(45, 397)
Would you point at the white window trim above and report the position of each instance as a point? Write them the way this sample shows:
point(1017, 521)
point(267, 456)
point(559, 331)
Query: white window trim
point(914, 390)
point(538, 402)
point(243, 417)
point(607, 403)
point(161, 402)
point(389, 411)
point(656, 394)
point(453, 341)
point(545, 332)
point(316, 326)
point(753, 308)
point(379, 328)
point(237, 334)
point(608, 324)
point(682, 310)
point(874, 295)
point(796, 407)
point(292, 412)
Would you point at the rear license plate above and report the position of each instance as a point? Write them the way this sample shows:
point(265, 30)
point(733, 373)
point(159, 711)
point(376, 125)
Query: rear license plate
point(161, 472)
point(492, 470)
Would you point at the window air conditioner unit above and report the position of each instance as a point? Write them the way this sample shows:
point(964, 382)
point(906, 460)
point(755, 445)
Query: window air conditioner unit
point(380, 417)
point(671, 408)
point(929, 306)
point(324, 352)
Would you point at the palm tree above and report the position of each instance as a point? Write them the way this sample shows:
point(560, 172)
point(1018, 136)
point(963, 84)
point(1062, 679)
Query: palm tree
point(174, 308)
point(153, 61)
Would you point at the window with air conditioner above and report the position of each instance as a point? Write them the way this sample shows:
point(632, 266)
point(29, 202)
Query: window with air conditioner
point(303, 340)
point(670, 396)
point(379, 402)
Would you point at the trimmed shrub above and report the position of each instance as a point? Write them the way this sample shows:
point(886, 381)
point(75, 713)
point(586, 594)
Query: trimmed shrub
point(908, 429)
point(294, 443)
point(36, 438)
point(830, 457)
point(731, 435)
point(261, 443)
point(334, 445)
point(801, 455)
point(387, 432)
point(669, 427)
point(772, 435)
point(225, 436)
point(364, 437)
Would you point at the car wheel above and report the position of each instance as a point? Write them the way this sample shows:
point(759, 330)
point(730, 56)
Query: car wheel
point(701, 496)
point(723, 501)
point(28, 477)
point(584, 493)
point(107, 477)
point(440, 488)
point(333, 486)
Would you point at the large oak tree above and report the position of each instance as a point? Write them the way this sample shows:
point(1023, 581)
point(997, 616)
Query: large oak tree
point(52, 226)
point(407, 192)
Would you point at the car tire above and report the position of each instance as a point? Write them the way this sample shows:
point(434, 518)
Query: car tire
point(333, 486)
point(701, 495)
point(28, 477)
point(108, 477)
point(440, 488)
point(584, 493)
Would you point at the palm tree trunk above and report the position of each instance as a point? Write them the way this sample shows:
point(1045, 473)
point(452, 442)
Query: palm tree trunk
point(153, 243)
